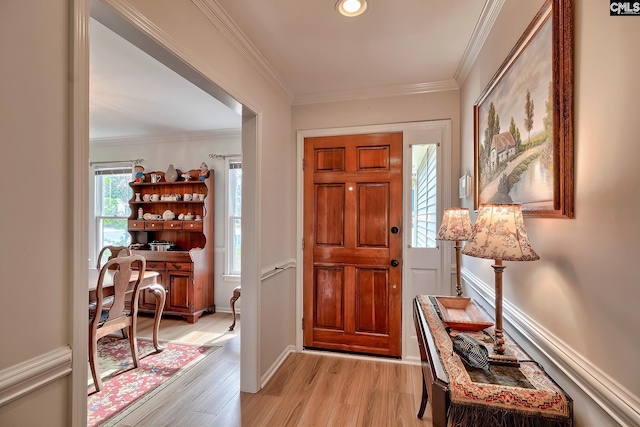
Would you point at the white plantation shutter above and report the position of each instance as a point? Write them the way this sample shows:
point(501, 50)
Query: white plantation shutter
point(425, 200)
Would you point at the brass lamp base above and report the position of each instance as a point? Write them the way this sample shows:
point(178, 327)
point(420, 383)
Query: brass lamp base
point(500, 355)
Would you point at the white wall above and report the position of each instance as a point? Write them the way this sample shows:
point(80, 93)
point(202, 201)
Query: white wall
point(185, 152)
point(584, 291)
point(398, 109)
point(35, 280)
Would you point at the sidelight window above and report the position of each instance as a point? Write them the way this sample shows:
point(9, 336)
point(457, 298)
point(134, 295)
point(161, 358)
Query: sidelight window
point(423, 195)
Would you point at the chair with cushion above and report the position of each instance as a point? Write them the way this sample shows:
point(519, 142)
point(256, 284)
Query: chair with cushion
point(107, 315)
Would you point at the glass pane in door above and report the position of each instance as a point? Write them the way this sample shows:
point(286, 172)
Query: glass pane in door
point(423, 195)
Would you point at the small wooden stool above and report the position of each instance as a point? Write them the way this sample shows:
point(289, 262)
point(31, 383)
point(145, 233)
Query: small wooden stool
point(234, 298)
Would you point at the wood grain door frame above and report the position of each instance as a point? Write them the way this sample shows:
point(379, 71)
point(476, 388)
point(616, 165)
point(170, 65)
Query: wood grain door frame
point(442, 126)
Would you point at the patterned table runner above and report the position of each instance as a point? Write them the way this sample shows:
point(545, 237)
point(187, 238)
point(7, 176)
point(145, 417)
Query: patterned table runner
point(544, 404)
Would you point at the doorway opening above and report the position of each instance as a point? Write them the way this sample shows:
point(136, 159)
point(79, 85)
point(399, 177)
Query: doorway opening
point(155, 46)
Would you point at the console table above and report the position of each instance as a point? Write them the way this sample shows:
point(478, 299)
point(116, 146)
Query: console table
point(464, 396)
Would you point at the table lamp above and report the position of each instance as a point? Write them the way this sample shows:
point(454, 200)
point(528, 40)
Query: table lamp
point(499, 234)
point(456, 226)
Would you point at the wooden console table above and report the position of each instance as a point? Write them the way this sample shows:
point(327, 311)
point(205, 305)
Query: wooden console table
point(460, 398)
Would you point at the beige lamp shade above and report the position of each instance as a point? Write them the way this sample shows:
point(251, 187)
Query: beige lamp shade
point(456, 225)
point(499, 234)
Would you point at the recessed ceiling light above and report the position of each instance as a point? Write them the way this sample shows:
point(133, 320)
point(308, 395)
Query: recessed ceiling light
point(351, 8)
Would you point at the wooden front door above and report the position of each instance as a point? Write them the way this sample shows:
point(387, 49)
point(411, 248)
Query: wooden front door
point(353, 243)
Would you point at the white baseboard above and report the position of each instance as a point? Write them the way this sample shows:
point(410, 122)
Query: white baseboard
point(274, 367)
point(415, 361)
point(20, 379)
point(613, 398)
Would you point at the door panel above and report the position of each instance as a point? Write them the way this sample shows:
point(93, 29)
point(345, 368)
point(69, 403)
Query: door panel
point(372, 304)
point(329, 297)
point(330, 159)
point(373, 214)
point(352, 198)
point(373, 158)
point(329, 214)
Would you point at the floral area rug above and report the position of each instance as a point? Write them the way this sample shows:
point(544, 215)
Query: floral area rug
point(125, 388)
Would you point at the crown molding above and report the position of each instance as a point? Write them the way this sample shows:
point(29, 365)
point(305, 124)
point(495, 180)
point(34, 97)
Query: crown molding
point(223, 22)
point(375, 92)
point(207, 135)
point(479, 36)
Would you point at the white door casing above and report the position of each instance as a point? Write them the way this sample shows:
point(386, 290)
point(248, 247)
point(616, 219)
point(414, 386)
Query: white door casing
point(424, 269)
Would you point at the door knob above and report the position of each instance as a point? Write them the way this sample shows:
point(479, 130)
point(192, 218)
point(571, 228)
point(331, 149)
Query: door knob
point(394, 230)
point(394, 263)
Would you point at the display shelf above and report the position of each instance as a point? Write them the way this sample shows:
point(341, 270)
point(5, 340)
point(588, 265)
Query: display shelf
point(186, 269)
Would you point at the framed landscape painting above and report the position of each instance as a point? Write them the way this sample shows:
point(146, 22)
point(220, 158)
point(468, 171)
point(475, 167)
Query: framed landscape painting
point(523, 136)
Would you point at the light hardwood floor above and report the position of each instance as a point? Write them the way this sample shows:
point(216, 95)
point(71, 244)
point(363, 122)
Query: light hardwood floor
point(309, 389)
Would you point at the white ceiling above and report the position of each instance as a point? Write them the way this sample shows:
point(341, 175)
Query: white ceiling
point(133, 95)
point(316, 50)
point(305, 48)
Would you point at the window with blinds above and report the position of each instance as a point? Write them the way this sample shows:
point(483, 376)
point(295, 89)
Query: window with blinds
point(424, 197)
point(112, 195)
point(234, 217)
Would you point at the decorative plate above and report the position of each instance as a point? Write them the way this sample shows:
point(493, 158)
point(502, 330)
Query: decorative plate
point(147, 216)
point(168, 215)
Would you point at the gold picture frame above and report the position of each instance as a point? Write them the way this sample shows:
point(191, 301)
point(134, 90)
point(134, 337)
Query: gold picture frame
point(531, 162)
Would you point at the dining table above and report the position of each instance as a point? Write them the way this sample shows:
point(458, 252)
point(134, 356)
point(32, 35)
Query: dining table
point(149, 283)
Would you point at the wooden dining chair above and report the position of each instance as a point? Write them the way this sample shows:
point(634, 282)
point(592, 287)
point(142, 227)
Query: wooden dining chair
point(109, 314)
point(113, 252)
point(236, 294)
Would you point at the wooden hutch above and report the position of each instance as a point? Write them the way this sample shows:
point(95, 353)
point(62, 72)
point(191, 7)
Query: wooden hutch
point(186, 267)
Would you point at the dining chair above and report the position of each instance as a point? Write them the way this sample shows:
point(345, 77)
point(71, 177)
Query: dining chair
point(236, 294)
point(109, 314)
point(114, 251)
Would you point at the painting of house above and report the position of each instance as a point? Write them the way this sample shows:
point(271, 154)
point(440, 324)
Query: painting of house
point(503, 147)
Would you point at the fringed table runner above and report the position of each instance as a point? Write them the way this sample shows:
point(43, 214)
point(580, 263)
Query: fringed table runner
point(534, 400)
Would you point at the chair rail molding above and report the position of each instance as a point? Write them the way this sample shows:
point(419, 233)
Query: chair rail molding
point(612, 397)
point(18, 380)
point(278, 267)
